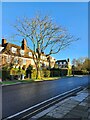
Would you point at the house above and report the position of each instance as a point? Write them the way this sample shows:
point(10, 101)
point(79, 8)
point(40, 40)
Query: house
point(63, 63)
point(64, 66)
point(21, 55)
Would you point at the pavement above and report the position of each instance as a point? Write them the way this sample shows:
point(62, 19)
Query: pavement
point(76, 107)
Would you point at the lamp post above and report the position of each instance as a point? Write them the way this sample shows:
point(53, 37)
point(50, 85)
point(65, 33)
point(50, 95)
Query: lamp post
point(73, 68)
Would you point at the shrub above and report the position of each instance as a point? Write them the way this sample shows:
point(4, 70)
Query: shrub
point(81, 72)
point(43, 73)
point(46, 73)
point(5, 75)
point(56, 72)
point(33, 74)
point(85, 72)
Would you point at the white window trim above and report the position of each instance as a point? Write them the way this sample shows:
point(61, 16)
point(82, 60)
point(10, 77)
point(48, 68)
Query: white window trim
point(8, 59)
point(22, 52)
point(13, 49)
point(1, 48)
point(30, 54)
point(24, 61)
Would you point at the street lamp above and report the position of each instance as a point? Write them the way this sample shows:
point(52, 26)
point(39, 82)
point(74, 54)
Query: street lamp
point(73, 68)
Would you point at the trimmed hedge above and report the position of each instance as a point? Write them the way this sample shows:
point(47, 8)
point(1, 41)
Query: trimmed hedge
point(51, 73)
point(81, 72)
point(5, 75)
point(46, 73)
point(43, 73)
point(58, 72)
point(33, 73)
point(11, 74)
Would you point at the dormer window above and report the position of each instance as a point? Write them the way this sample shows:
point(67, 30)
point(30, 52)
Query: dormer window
point(30, 54)
point(1, 48)
point(22, 52)
point(13, 49)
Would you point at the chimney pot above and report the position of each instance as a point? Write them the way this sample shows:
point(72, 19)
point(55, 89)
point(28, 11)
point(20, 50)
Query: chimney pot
point(4, 41)
point(68, 60)
point(24, 44)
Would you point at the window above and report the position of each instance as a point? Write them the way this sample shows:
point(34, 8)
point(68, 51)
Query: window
point(1, 48)
point(43, 57)
point(24, 61)
point(22, 52)
point(30, 54)
point(64, 63)
point(15, 60)
point(13, 49)
point(8, 59)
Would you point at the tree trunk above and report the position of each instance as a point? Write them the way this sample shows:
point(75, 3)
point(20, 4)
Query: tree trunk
point(38, 76)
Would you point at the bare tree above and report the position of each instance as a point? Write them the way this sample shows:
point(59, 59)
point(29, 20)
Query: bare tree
point(44, 35)
point(78, 63)
point(86, 64)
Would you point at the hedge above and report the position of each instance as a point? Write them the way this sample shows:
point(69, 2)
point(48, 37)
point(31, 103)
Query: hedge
point(43, 73)
point(51, 73)
point(58, 72)
point(81, 72)
point(5, 75)
point(46, 73)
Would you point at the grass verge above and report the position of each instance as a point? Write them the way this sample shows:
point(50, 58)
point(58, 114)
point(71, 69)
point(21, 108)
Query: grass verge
point(16, 81)
point(31, 80)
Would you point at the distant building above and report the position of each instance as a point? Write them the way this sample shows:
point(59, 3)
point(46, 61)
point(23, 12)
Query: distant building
point(64, 66)
point(63, 63)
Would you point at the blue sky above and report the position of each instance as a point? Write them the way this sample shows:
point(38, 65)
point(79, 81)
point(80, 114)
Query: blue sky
point(71, 15)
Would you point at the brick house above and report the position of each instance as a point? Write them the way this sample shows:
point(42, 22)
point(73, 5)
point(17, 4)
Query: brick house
point(21, 55)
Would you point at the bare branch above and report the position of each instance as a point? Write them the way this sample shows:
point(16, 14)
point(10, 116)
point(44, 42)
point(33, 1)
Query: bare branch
point(44, 35)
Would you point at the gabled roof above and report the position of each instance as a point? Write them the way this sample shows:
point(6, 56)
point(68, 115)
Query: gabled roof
point(61, 61)
point(7, 50)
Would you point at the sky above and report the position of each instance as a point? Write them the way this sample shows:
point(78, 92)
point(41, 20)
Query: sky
point(71, 15)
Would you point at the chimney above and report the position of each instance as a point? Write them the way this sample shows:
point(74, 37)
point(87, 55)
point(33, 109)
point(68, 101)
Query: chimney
point(4, 41)
point(24, 44)
point(68, 60)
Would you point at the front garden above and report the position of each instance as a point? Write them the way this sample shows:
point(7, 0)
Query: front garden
point(14, 73)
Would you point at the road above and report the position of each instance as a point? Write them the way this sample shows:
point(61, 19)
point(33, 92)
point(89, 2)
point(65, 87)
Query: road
point(16, 98)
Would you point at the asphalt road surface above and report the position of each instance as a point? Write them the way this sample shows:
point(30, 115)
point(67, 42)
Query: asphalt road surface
point(16, 98)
